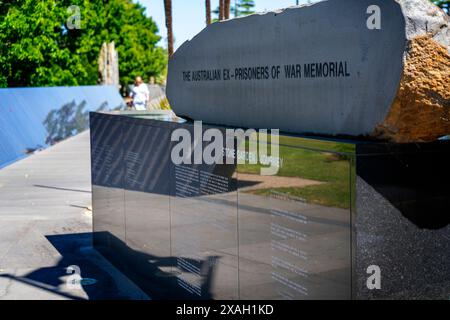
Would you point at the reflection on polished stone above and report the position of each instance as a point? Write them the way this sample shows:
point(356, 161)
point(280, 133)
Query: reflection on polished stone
point(35, 118)
point(290, 248)
point(201, 231)
point(224, 231)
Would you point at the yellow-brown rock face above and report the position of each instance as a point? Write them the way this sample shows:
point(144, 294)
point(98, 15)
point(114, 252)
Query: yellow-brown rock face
point(421, 109)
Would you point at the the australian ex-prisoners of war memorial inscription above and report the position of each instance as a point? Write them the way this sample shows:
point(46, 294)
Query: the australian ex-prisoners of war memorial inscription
point(358, 206)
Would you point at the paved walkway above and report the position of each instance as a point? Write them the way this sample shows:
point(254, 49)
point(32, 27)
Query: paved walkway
point(45, 227)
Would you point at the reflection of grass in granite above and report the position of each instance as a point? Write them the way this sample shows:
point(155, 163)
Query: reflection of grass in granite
point(331, 194)
point(331, 168)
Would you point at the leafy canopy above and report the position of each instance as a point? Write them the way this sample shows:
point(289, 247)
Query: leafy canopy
point(38, 49)
point(443, 4)
point(242, 8)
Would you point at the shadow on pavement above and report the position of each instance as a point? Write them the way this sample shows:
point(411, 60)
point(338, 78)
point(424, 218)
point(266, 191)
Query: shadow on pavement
point(76, 250)
point(156, 276)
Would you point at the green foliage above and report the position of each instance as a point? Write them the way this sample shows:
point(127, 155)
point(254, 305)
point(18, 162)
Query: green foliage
point(443, 4)
point(239, 9)
point(38, 49)
point(245, 7)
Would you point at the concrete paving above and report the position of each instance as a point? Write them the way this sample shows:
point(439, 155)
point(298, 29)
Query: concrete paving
point(46, 225)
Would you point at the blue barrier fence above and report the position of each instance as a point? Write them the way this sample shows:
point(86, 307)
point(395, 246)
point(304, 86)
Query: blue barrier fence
point(32, 119)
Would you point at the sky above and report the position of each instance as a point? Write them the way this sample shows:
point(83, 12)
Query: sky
point(189, 15)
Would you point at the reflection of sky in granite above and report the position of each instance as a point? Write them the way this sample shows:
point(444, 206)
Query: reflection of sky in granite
point(34, 118)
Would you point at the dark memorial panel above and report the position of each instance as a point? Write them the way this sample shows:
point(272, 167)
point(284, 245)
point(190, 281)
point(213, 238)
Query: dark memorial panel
point(294, 233)
point(146, 164)
point(317, 225)
point(147, 169)
point(219, 230)
point(204, 226)
point(107, 181)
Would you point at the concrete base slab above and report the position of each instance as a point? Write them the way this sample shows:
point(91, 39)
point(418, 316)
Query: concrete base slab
point(46, 227)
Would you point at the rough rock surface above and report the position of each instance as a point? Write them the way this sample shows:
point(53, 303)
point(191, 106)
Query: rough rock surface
point(421, 109)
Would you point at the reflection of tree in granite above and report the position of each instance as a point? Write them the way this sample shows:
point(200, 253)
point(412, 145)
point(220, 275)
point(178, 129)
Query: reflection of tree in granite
point(67, 121)
point(104, 106)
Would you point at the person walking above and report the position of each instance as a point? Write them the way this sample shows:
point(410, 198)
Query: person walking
point(140, 94)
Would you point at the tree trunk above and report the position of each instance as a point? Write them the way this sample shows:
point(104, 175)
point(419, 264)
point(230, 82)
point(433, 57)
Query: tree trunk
point(168, 12)
point(227, 7)
point(221, 10)
point(208, 11)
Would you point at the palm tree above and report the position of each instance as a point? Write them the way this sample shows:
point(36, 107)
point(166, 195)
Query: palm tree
point(168, 12)
point(227, 10)
point(221, 10)
point(208, 11)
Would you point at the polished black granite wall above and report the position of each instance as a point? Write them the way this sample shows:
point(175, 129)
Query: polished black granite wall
point(32, 119)
point(309, 232)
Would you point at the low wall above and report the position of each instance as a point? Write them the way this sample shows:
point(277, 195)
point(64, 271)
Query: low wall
point(35, 118)
point(224, 231)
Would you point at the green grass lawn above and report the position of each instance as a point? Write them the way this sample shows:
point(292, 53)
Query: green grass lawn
point(330, 168)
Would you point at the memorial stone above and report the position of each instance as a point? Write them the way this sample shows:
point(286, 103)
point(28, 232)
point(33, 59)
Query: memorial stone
point(378, 68)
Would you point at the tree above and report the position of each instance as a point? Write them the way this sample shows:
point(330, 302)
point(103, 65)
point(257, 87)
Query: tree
point(226, 9)
point(221, 10)
point(208, 11)
point(168, 13)
point(38, 47)
point(244, 7)
point(443, 4)
point(240, 8)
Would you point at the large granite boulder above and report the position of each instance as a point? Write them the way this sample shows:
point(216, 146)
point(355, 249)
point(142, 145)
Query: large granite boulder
point(377, 68)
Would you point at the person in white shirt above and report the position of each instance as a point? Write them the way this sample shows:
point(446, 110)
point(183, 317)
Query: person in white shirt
point(140, 94)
